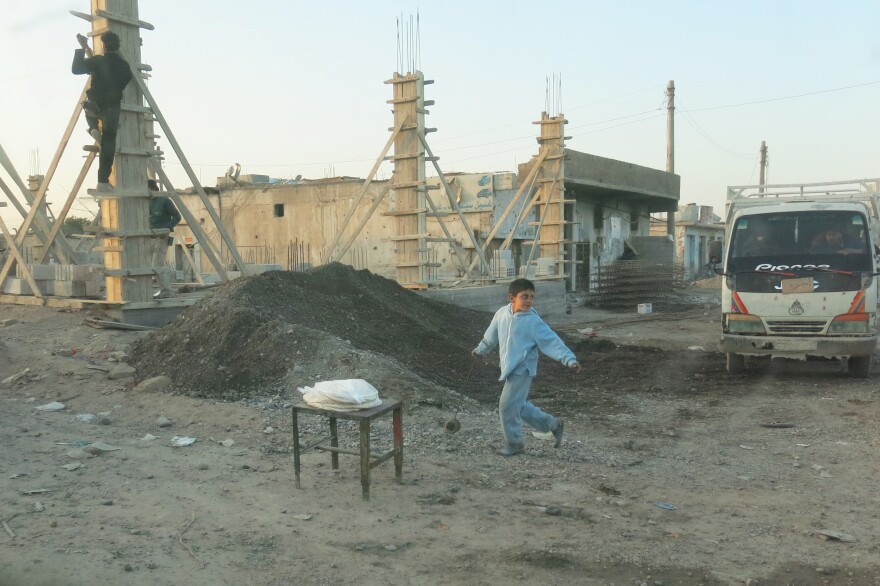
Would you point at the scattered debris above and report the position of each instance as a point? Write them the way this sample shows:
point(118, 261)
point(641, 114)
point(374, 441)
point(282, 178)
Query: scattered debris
point(79, 443)
point(778, 425)
point(610, 490)
point(37, 491)
point(15, 377)
point(99, 448)
point(148, 438)
point(85, 418)
point(666, 506)
point(185, 546)
point(164, 422)
point(53, 406)
point(72, 466)
point(113, 325)
point(303, 517)
point(122, 371)
point(834, 535)
point(745, 447)
point(436, 499)
point(155, 384)
point(181, 441)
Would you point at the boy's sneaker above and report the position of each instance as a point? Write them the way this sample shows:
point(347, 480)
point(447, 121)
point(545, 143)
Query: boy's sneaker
point(557, 433)
point(96, 134)
point(511, 450)
point(105, 187)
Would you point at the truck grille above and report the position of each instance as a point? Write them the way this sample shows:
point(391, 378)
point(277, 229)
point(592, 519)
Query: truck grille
point(796, 327)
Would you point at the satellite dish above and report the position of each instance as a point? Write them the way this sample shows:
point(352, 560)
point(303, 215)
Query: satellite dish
point(233, 172)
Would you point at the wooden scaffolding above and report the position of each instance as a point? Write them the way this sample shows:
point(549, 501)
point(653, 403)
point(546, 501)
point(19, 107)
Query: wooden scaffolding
point(123, 220)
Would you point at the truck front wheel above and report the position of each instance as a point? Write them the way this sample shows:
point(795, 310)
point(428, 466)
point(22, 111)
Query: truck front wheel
point(859, 366)
point(735, 363)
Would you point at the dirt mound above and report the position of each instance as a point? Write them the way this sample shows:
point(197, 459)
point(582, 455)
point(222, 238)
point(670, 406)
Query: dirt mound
point(710, 283)
point(296, 328)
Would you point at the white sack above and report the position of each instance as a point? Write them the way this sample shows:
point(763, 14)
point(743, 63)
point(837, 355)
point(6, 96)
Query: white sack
point(341, 395)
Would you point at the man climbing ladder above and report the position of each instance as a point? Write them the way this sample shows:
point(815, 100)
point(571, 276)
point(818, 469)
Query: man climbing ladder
point(110, 73)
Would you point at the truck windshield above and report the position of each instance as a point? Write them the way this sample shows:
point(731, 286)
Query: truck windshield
point(799, 242)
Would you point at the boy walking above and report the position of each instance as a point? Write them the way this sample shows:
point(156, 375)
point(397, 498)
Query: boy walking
point(519, 332)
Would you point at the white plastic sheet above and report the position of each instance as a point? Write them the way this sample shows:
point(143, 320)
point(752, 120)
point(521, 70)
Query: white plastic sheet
point(341, 395)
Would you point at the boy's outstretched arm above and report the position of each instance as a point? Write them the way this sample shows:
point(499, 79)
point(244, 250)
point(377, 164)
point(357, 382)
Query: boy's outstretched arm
point(489, 341)
point(552, 345)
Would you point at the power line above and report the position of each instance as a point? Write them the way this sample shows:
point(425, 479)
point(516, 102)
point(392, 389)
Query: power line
point(690, 120)
point(837, 89)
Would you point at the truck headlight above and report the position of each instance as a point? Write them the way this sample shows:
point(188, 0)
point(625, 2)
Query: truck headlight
point(849, 323)
point(743, 323)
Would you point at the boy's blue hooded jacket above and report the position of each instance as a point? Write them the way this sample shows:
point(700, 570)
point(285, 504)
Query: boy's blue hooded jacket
point(519, 336)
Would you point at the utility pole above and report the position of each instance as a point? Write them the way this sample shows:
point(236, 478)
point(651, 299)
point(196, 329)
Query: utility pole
point(763, 166)
point(670, 147)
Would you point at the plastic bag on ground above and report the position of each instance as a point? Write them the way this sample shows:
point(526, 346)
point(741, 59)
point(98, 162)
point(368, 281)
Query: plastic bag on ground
point(341, 395)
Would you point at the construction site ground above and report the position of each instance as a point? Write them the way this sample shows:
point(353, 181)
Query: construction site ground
point(671, 471)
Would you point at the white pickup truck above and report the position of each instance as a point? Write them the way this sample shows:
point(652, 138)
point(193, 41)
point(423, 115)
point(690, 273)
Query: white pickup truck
point(800, 266)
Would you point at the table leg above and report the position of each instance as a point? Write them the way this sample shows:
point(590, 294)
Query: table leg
point(365, 458)
point(397, 423)
point(295, 426)
point(334, 443)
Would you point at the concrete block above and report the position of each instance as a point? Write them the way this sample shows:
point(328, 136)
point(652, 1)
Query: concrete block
point(259, 269)
point(43, 272)
point(19, 286)
point(93, 288)
point(69, 288)
point(546, 266)
point(210, 278)
point(16, 286)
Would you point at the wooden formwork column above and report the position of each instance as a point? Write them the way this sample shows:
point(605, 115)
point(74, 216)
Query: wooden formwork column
point(409, 172)
point(125, 211)
point(551, 189)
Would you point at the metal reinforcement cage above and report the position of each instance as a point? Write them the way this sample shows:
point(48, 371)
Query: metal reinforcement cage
point(626, 284)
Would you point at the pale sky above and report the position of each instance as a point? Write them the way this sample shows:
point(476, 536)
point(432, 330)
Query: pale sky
point(290, 88)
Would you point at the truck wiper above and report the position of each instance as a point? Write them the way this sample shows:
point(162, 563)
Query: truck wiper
point(837, 271)
point(777, 273)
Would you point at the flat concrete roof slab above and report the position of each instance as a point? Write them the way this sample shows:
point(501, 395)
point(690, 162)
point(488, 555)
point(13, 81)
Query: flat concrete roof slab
point(598, 177)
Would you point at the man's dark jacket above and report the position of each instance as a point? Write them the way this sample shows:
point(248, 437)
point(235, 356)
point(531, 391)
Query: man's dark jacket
point(110, 74)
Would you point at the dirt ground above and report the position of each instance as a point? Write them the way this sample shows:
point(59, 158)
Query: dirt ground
point(671, 471)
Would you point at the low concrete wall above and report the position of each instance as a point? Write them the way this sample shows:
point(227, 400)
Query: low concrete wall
point(550, 300)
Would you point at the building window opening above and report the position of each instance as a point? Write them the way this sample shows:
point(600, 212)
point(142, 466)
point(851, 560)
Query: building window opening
point(278, 210)
point(598, 217)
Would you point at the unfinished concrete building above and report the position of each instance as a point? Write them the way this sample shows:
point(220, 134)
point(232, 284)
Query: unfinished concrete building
point(291, 224)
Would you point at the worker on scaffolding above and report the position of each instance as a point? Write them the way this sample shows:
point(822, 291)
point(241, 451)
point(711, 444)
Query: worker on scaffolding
point(110, 73)
point(163, 216)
